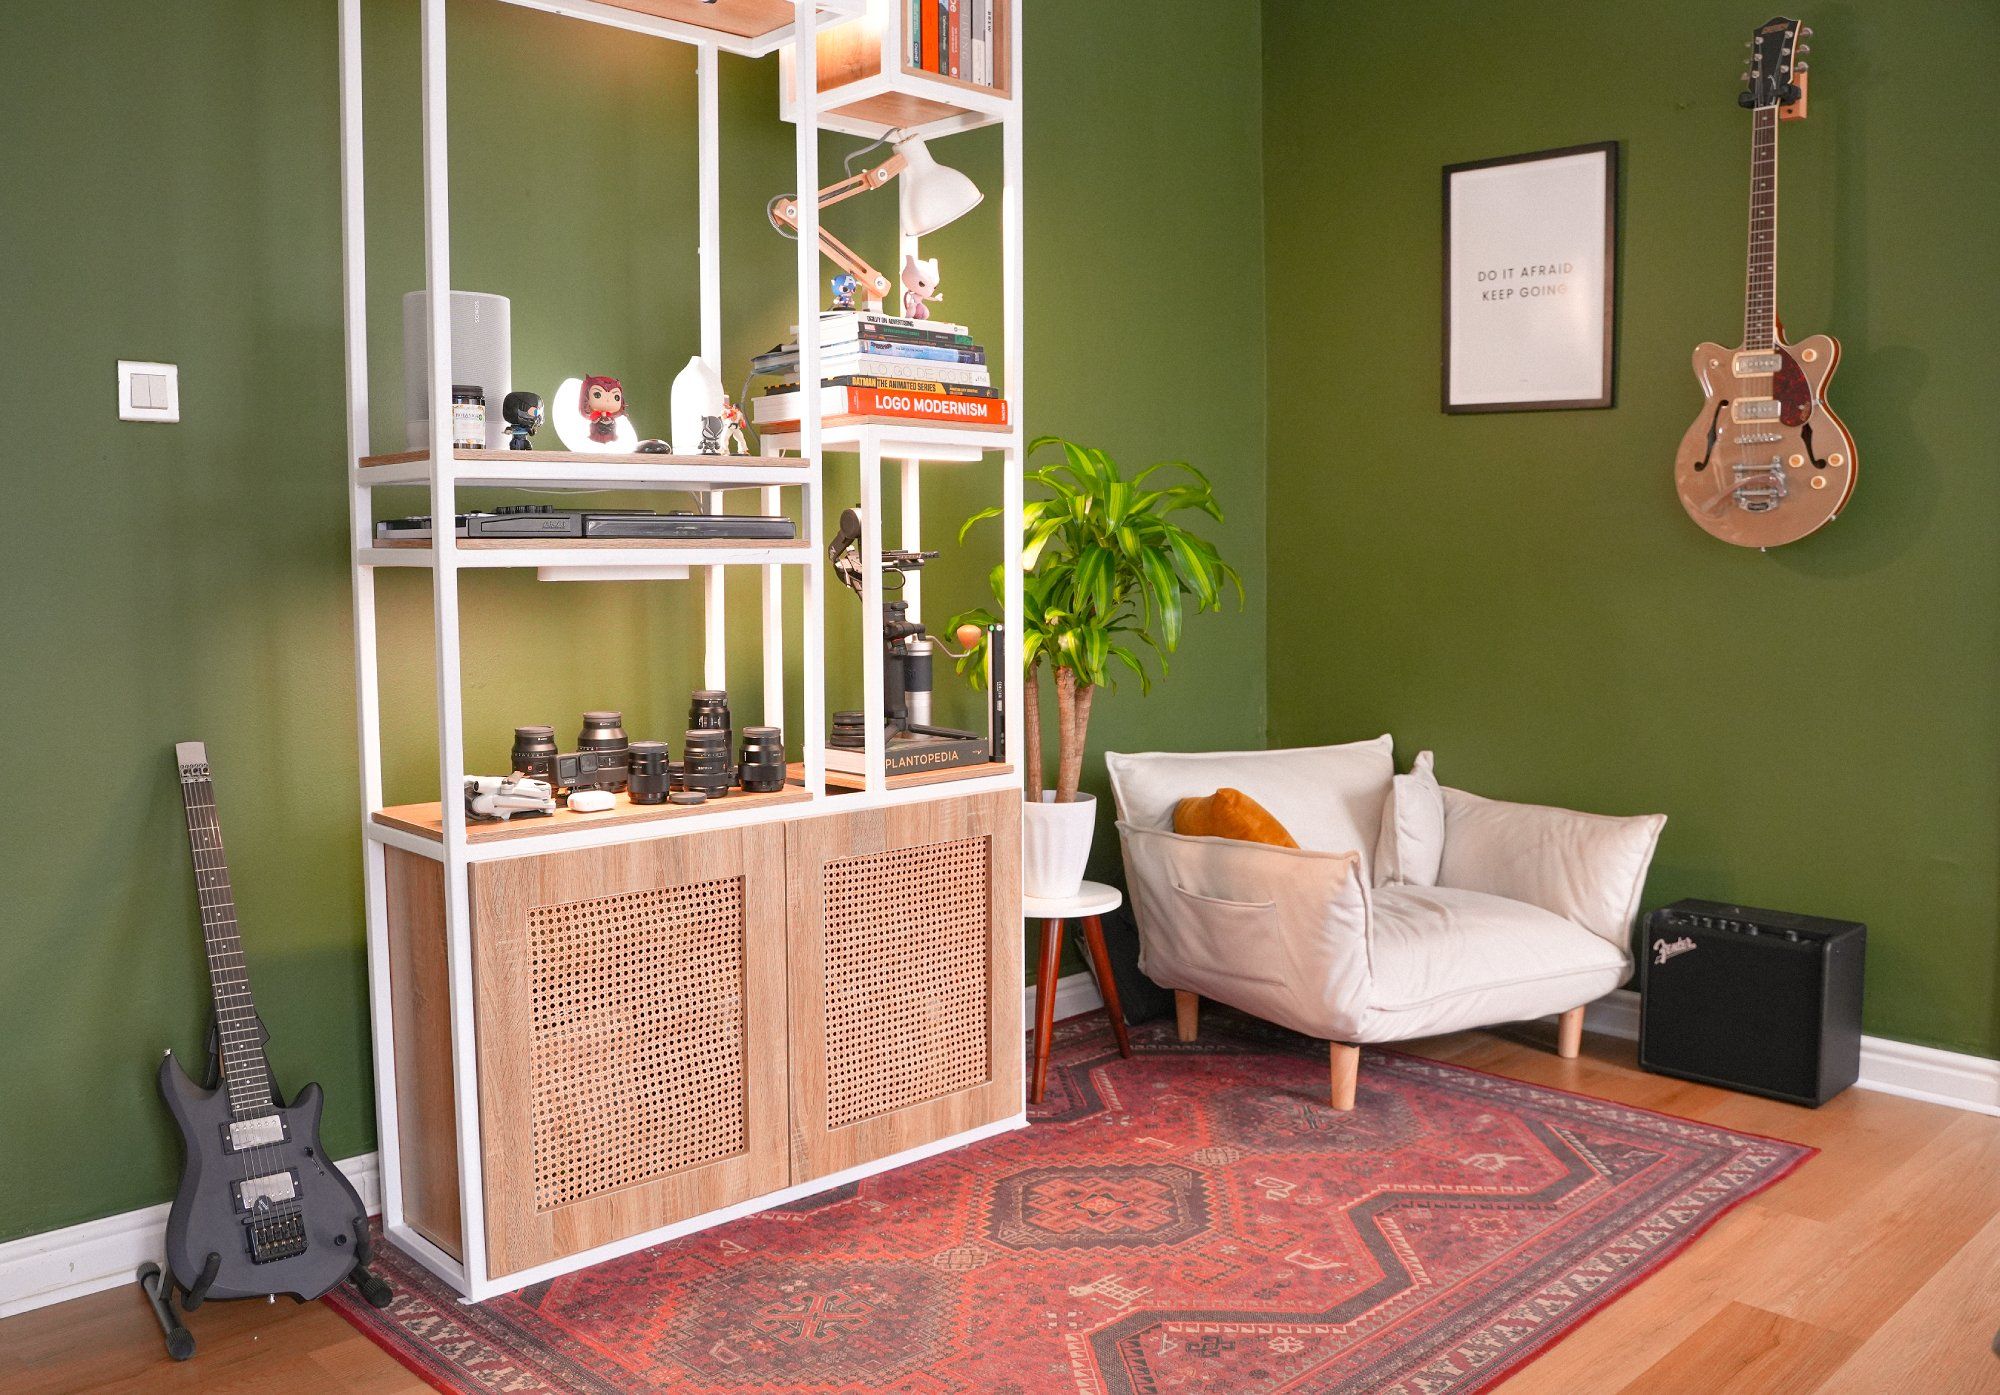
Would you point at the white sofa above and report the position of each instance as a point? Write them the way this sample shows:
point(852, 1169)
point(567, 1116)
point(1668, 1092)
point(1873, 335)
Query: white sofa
point(1408, 908)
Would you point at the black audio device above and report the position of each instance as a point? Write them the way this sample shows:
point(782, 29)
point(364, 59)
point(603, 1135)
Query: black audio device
point(1762, 1001)
point(519, 521)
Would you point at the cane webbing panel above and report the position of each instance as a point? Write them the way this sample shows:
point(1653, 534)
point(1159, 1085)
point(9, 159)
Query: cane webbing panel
point(907, 937)
point(638, 1036)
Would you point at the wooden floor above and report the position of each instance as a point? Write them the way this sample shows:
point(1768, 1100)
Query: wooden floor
point(1873, 1270)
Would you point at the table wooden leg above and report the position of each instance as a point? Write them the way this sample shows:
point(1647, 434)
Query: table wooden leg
point(1045, 1005)
point(1107, 986)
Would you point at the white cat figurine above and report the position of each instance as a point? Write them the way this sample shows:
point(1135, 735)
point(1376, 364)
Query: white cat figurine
point(920, 284)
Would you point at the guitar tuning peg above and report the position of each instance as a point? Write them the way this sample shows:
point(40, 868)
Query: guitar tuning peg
point(1743, 77)
point(1805, 32)
point(1803, 67)
point(1804, 49)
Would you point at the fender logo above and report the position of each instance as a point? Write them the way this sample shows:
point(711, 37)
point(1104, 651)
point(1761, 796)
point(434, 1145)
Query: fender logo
point(1663, 950)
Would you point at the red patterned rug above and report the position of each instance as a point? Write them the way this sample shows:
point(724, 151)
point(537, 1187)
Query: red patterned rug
point(1194, 1219)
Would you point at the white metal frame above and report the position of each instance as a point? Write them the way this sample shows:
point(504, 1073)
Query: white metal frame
point(443, 474)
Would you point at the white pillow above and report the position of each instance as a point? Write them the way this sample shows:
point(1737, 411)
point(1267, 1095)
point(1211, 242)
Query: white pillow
point(1589, 868)
point(1329, 798)
point(1412, 842)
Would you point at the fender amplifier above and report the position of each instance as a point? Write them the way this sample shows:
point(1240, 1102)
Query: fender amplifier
point(1762, 1001)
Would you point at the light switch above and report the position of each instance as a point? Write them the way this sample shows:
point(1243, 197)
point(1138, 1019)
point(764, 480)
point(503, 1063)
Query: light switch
point(148, 391)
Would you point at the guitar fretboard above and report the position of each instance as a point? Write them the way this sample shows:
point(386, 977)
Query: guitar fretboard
point(1760, 315)
point(244, 1071)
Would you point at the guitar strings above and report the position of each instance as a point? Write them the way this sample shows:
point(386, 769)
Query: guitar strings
point(205, 842)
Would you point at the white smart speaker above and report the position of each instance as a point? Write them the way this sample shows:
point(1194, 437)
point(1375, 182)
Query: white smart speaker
point(481, 356)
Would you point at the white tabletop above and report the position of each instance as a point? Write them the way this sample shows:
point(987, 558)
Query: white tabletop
point(1092, 898)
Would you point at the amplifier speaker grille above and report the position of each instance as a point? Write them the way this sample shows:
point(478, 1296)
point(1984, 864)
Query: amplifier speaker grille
point(907, 943)
point(638, 1065)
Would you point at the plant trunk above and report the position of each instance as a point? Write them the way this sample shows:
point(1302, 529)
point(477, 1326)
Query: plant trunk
point(1031, 727)
point(1072, 722)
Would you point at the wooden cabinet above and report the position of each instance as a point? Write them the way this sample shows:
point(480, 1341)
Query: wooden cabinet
point(905, 966)
point(632, 1048)
point(669, 1027)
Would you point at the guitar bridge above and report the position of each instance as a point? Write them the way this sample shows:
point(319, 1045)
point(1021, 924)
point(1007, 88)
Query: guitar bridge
point(277, 1237)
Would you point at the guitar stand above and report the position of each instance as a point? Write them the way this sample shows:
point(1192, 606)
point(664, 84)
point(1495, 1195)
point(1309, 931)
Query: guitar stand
point(160, 1288)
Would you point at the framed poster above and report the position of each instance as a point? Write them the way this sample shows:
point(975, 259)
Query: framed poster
point(1529, 280)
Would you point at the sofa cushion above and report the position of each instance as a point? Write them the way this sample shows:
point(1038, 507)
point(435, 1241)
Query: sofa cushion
point(1445, 958)
point(1589, 868)
point(1328, 797)
point(1281, 933)
point(1412, 843)
point(1230, 813)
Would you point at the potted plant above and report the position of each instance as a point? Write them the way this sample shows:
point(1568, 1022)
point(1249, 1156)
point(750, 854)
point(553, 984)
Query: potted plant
point(1108, 572)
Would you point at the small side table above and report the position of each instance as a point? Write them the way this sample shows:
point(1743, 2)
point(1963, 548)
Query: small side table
point(1092, 900)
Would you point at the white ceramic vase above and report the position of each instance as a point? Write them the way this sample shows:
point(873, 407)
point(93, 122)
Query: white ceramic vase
point(1055, 845)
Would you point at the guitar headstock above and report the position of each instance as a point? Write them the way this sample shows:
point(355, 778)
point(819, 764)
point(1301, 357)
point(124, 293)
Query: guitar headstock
point(192, 757)
point(1775, 50)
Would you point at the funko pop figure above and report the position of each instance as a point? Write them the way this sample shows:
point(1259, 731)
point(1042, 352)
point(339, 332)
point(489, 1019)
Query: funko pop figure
point(603, 402)
point(523, 412)
point(844, 287)
point(920, 285)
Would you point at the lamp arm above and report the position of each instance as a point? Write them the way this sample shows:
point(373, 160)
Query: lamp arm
point(785, 214)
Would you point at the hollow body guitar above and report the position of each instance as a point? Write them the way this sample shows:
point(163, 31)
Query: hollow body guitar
point(1766, 461)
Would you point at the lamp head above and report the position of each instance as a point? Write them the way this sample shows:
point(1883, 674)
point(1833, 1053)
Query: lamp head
point(932, 195)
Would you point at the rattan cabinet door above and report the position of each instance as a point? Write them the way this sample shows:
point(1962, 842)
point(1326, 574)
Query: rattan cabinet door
point(905, 964)
point(632, 1054)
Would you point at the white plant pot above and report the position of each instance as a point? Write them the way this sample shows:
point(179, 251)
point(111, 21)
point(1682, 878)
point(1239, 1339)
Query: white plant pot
point(1055, 845)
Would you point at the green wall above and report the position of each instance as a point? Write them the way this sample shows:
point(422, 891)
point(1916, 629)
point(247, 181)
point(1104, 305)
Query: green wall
point(1523, 593)
point(170, 193)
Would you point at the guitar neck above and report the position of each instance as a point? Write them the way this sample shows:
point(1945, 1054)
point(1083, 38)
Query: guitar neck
point(245, 1072)
point(1760, 313)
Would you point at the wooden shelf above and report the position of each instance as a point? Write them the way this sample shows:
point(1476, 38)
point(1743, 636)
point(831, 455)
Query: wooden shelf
point(901, 438)
point(607, 554)
point(843, 781)
point(748, 27)
point(555, 469)
point(858, 97)
point(425, 820)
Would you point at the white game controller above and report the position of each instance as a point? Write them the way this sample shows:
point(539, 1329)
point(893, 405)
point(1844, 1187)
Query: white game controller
point(503, 796)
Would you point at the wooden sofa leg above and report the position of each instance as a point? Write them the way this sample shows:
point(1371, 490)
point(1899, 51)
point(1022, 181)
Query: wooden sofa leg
point(1569, 1034)
point(1187, 1014)
point(1346, 1062)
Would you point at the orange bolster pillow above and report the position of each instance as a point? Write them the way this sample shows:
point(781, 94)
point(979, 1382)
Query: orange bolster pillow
point(1230, 813)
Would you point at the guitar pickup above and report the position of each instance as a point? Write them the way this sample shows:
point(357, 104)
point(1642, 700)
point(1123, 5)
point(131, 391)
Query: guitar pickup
point(262, 1193)
point(1756, 409)
point(260, 1132)
point(1753, 365)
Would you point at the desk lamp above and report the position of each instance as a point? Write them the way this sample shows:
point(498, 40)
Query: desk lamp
point(932, 195)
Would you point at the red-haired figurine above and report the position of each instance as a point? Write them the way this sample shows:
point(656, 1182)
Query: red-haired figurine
point(603, 402)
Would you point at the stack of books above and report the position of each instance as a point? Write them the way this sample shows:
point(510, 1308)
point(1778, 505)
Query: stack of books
point(875, 365)
point(953, 38)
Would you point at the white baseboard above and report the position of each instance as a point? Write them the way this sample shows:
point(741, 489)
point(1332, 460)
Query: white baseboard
point(37, 1270)
point(1891, 1067)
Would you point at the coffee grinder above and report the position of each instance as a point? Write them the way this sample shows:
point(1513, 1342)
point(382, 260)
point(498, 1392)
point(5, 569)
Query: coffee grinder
point(910, 742)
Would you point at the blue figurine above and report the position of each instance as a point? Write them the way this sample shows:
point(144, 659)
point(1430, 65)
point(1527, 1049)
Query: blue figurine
point(523, 411)
point(844, 287)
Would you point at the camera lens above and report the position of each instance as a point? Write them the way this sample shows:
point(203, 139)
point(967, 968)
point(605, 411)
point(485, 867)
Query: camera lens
point(762, 769)
point(651, 775)
point(602, 731)
point(705, 765)
point(535, 752)
point(708, 710)
point(850, 732)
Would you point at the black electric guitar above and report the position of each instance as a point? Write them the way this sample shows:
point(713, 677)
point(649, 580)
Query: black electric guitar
point(261, 1210)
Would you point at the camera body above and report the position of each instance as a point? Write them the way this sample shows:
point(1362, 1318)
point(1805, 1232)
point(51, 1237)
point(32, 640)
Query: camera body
point(593, 770)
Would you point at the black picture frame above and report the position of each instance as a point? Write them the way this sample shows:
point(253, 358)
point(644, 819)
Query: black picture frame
point(1608, 322)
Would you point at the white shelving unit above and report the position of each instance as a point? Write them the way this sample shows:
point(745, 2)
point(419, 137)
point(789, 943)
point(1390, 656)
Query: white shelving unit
point(797, 29)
